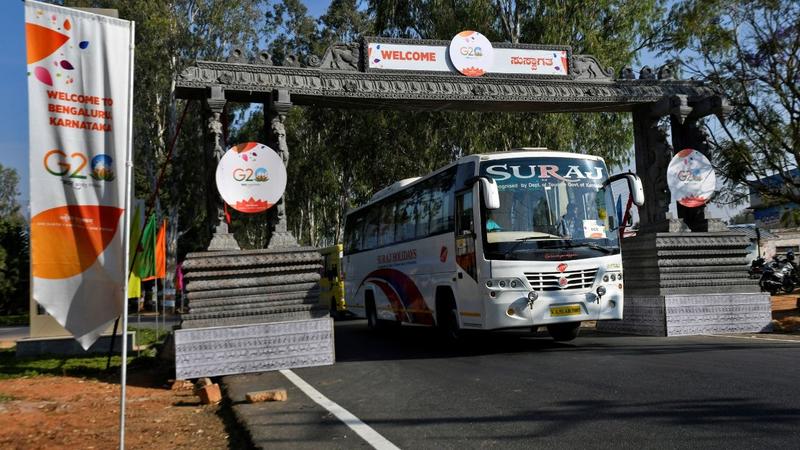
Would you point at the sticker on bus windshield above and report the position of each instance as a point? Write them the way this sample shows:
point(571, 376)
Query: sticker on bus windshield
point(592, 229)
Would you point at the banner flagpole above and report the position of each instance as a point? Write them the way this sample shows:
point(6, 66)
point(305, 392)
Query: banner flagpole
point(126, 230)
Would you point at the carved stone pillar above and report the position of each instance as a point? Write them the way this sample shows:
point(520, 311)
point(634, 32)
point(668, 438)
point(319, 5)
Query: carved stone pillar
point(275, 115)
point(681, 281)
point(652, 157)
point(215, 141)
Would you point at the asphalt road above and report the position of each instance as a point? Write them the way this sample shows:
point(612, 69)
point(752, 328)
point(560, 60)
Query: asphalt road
point(599, 391)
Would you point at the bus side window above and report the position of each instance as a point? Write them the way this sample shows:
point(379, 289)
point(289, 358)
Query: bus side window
point(405, 221)
point(386, 233)
point(441, 213)
point(423, 213)
point(464, 217)
point(371, 229)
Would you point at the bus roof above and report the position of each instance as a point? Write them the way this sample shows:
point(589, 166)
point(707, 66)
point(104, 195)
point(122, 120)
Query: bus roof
point(477, 158)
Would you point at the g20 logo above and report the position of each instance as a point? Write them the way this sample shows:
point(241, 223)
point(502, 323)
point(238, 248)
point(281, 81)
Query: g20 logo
point(471, 52)
point(258, 175)
point(61, 164)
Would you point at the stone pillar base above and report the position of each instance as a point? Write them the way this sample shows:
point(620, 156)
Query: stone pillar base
point(282, 239)
point(223, 241)
point(693, 314)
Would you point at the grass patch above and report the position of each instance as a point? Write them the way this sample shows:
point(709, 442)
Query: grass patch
point(6, 398)
point(89, 366)
point(21, 320)
point(147, 336)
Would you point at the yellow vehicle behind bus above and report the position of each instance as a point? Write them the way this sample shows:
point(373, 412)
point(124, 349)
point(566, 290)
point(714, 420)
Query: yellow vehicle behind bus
point(331, 284)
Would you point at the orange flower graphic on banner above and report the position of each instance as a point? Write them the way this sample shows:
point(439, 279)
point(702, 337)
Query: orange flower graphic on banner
point(42, 41)
point(67, 240)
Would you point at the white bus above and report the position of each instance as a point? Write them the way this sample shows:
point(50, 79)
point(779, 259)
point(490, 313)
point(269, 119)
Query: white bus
point(505, 240)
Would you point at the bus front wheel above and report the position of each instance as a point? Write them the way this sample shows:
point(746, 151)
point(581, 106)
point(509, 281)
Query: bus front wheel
point(372, 316)
point(562, 332)
point(447, 316)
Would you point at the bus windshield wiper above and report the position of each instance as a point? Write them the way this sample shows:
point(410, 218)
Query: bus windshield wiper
point(590, 245)
point(525, 239)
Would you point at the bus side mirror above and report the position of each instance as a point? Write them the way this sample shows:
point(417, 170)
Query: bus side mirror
point(491, 195)
point(637, 191)
point(634, 186)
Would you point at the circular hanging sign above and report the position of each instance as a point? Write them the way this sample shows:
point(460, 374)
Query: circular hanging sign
point(251, 177)
point(691, 178)
point(471, 53)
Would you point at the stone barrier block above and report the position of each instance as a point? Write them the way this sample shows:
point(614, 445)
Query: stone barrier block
point(229, 350)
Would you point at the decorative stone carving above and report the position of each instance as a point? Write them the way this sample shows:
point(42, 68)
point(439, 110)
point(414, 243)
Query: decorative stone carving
point(680, 107)
point(263, 58)
point(685, 315)
point(666, 72)
point(626, 73)
point(252, 310)
point(227, 350)
point(221, 239)
point(586, 67)
point(653, 154)
point(646, 73)
point(291, 61)
point(277, 110)
point(417, 90)
point(342, 57)
point(237, 56)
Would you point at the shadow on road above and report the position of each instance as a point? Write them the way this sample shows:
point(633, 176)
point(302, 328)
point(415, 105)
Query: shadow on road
point(355, 342)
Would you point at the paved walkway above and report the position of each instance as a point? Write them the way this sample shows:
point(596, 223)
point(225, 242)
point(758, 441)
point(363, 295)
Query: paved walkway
point(9, 335)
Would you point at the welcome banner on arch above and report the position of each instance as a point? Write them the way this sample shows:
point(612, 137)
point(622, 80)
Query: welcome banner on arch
point(79, 78)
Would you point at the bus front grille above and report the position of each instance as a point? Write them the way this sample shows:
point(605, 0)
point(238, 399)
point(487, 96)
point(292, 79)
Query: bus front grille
point(550, 281)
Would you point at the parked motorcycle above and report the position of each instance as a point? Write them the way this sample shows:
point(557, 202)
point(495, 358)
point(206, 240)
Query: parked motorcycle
point(779, 275)
point(756, 268)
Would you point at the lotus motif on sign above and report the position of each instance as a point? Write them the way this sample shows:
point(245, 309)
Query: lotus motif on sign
point(562, 267)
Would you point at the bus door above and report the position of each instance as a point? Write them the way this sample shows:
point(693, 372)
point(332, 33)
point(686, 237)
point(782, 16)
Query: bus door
point(467, 293)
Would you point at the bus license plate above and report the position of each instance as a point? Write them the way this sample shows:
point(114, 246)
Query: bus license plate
point(568, 310)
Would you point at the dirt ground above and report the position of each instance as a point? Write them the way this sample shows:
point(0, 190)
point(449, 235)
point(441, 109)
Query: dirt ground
point(785, 314)
point(48, 412)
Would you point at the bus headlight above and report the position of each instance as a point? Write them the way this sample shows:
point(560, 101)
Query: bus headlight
point(601, 291)
point(532, 296)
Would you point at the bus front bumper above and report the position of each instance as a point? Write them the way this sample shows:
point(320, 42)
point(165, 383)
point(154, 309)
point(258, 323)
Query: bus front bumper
point(513, 309)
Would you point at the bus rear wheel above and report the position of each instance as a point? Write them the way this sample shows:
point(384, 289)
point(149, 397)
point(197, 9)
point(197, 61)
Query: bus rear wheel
point(562, 332)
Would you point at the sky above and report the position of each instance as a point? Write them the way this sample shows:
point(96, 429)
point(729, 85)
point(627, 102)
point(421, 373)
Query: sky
point(13, 89)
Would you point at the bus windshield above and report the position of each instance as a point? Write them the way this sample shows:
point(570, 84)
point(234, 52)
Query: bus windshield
point(550, 209)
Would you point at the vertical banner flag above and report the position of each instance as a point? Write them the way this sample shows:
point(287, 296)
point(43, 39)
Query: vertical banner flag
point(79, 68)
point(160, 254)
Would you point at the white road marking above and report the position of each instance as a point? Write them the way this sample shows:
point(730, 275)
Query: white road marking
point(754, 338)
point(365, 431)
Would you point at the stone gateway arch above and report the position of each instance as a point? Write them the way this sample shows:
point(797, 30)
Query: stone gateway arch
point(684, 275)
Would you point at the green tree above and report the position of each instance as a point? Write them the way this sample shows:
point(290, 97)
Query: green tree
point(14, 252)
point(748, 50)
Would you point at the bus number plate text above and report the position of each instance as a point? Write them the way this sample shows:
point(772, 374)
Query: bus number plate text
point(568, 310)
